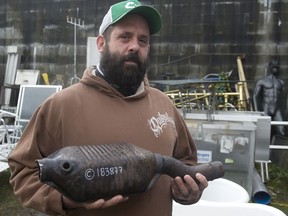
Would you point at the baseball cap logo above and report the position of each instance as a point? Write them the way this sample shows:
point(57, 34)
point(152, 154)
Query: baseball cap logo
point(130, 5)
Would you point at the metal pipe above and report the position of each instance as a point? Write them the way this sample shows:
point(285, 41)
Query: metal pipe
point(260, 193)
point(279, 122)
point(278, 147)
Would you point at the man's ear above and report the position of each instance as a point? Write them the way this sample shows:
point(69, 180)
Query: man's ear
point(100, 42)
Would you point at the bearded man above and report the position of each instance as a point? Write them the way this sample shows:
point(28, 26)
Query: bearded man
point(112, 103)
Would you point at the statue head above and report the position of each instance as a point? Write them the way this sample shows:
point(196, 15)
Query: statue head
point(274, 67)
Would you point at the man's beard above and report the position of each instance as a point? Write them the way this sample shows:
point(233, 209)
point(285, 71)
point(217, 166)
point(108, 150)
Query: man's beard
point(126, 78)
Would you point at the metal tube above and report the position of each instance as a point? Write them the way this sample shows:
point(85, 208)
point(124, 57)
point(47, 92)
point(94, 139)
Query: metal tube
point(260, 193)
point(279, 122)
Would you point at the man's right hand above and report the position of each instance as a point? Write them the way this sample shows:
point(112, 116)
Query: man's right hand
point(100, 203)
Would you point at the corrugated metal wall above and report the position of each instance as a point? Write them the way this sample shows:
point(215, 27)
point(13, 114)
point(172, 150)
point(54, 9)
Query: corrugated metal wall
point(198, 37)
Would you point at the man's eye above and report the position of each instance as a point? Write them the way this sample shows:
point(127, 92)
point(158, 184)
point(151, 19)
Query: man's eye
point(143, 41)
point(124, 36)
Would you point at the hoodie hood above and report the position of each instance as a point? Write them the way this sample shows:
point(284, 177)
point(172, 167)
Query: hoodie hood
point(89, 78)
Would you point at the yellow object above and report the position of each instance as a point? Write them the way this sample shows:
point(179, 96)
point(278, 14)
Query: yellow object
point(45, 78)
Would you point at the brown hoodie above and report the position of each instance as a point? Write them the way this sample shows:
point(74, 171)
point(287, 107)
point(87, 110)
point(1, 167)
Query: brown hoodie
point(92, 112)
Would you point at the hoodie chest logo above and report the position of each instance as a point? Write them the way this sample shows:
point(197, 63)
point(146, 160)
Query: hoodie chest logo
point(158, 123)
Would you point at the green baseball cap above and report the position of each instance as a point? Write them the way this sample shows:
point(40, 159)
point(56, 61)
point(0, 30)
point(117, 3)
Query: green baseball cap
point(121, 9)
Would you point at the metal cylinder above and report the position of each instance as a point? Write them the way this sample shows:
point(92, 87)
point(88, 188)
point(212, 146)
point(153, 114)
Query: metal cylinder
point(260, 193)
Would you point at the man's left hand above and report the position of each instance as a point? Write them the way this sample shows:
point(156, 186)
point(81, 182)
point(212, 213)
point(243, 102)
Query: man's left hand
point(186, 191)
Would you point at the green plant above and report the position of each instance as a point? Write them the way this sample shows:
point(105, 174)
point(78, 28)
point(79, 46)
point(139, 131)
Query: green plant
point(277, 173)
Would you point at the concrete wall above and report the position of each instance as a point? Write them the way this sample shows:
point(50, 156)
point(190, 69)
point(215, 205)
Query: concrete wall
point(198, 37)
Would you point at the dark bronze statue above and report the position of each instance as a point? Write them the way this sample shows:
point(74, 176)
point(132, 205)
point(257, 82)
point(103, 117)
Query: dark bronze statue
point(267, 95)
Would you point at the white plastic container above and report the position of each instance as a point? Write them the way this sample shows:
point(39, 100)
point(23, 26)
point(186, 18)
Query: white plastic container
point(205, 208)
point(225, 198)
point(223, 190)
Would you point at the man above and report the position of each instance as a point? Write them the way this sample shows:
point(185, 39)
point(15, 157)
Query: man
point(112, 103)
point(267, 95)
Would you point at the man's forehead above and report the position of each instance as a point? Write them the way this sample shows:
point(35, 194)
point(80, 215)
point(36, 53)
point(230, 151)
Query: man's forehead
point(132, 23)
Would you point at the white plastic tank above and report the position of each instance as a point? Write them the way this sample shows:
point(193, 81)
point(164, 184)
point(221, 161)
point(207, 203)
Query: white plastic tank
point(224, 197)
point(223, 190)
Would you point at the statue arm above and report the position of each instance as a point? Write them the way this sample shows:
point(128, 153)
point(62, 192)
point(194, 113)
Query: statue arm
point(257, 96)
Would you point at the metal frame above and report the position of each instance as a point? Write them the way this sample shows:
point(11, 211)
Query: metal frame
point(30, 97)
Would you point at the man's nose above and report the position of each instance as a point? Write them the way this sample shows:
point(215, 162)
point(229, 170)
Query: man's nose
point(134, 46)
